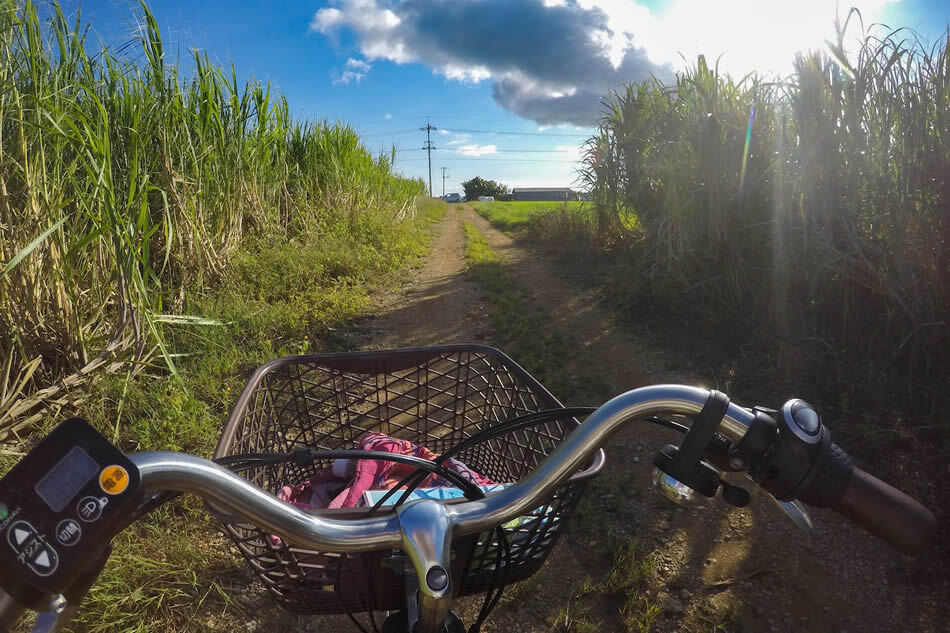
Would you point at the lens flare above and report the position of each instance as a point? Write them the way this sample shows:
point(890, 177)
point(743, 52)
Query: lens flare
point(745, 151)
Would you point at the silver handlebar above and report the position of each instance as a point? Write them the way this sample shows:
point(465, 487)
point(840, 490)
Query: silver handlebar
point(163, 471)
point(166, 471)
point(422, 529)
point(576, 448)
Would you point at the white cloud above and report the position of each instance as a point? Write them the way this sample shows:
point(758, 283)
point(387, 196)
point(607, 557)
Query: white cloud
point(326, 19)
point(357, 65)
point(477, 150)
point(552, 61)
point(444, 132)
point(363, 13)
point(349, 76)
point(387, 116)
point(555, 71)
point(474, 74)
point(355, 70)
point(459, 138)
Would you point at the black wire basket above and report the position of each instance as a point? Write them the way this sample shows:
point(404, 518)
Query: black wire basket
point(435, 397)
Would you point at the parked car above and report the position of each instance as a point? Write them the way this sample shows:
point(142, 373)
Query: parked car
point(453, 197)
point(486, 198)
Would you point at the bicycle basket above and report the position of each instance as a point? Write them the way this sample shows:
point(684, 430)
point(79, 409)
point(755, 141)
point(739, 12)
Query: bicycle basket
point(436, 397)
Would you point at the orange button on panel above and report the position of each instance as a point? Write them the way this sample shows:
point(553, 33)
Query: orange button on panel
point(113, 480)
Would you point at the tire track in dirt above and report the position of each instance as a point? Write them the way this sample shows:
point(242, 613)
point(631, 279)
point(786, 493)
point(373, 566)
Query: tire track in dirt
point(438, 305)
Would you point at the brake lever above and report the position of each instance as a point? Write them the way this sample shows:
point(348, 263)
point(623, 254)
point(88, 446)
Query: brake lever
point(795, 511)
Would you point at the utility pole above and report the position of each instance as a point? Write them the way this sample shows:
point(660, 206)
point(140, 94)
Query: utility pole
point(444, 169)
point(429, 147)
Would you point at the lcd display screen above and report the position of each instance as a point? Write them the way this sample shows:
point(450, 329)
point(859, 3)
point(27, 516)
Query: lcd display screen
point(60, 485)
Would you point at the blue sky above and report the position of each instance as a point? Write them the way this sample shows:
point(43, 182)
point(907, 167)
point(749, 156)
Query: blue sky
point(513, 85)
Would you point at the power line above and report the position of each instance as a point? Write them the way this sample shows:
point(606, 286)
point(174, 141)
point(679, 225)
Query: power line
point(536, 151)
point(526, 151)
point(467, 131)
point(555, 134)
point(500, 160)
point(411, 130)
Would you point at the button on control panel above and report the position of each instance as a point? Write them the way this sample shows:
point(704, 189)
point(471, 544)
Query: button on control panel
point(20, 534)
point(113, 480)
point(89, 509)
point(44, 561)
point(31, 548)
point(68, 532)
point(60, 505)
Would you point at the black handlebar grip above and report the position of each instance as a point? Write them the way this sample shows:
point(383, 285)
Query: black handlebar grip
point(887, 512)
point(868, 502)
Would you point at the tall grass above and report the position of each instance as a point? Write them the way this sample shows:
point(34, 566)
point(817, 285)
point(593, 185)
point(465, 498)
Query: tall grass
point(811, 214)
point(123, 183)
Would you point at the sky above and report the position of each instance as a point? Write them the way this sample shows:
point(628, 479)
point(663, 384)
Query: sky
point(513, 86)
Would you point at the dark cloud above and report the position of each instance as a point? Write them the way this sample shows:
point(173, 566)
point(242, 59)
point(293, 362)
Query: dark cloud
point(581, 108)
point(549, 64)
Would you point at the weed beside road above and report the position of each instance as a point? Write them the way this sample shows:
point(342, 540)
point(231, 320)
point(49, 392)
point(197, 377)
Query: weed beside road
point(167, 571)
point(126, 186)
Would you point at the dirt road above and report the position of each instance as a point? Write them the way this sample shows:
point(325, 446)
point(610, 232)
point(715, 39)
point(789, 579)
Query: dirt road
point(438, 305)
point(715, 569)
point(838, 580)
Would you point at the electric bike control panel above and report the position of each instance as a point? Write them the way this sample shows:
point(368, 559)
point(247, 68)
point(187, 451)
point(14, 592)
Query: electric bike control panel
point(59, 506)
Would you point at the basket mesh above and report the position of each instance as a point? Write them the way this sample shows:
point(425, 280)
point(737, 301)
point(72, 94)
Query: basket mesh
point(436, 397)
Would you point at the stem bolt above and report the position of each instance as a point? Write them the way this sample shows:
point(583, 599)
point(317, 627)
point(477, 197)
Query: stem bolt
point(57, 604)
point(437, 578)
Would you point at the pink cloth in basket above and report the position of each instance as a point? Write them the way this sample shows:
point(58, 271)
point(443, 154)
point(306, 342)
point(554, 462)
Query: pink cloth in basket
point(334, 487)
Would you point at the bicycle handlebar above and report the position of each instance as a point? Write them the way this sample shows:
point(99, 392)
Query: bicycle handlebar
point(870, 503)
point(867, 501)
point(178, 472)
point(162, 471)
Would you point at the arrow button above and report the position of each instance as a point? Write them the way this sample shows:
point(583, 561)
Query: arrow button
point(20, 536)
point(46, 562)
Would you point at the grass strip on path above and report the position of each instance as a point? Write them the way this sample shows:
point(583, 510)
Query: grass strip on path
point(523, 331)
